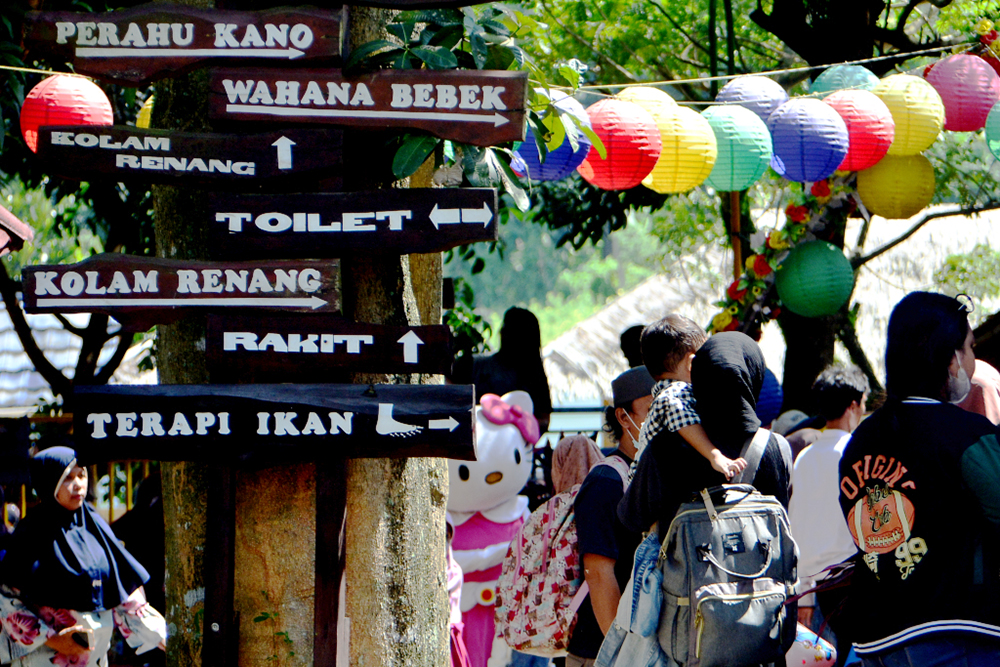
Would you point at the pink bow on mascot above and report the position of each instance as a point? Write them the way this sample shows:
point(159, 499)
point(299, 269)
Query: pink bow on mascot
point(486, 510)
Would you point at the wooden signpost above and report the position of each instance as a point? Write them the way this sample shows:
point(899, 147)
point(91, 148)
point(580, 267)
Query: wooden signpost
point(308, 348)
point(274, 423)
point(149, 290)
point(244, 161)
point(333, 224)
point(475, 107)
point(144, 43)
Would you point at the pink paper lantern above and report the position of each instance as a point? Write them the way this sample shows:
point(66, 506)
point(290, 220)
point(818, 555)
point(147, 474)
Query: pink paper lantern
point(969, 88)
point(631, 139)
point(870, 128)
point(63, 100)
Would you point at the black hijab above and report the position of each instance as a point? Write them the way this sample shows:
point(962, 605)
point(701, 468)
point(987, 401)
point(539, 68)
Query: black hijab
point(726, 375)
point(67, 559)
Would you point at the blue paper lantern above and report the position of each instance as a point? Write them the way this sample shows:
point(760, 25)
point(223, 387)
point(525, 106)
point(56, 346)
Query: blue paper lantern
point(563, 160)
point(769, 402)
point(843, 77)
point(744, 146)
point(810, 140)
point(757, 93)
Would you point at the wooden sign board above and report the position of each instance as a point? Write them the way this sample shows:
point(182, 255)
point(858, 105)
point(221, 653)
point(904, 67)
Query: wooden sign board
point(335, 224)
point(144, 43)
point(475, 107)
point(149, 290)
point(125, 153)
point(307, 348)
point(273, 422)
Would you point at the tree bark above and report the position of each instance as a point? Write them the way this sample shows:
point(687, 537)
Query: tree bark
point(809, 350)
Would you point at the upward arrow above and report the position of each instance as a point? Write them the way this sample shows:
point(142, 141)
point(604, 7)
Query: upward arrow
point(284, 146)
point(411, 342)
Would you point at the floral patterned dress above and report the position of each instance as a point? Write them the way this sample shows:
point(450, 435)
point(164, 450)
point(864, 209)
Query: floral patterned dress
point(23, 632)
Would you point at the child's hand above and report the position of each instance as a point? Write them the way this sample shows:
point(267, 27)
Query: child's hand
point(727, 466)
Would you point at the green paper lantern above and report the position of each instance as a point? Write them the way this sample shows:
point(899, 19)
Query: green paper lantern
point(744, 145)
point(815, 279)
point(993, 130)
point(843, 77)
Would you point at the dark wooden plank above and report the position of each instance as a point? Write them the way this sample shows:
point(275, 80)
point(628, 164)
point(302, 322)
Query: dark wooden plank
point(138, 45)
point(331, 507)
point(273, 422)
point(484, 107)
point(243, 161)
point(338, 224)
point(221, 624)
point(308, 348)
point(152, 290)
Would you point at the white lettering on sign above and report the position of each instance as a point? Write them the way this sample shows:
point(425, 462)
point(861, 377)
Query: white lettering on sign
point(313, 424)
point(151, 424)
point(326, 343)
point(74, 284)
point(443, 96)
point(107, 141)
point(276, 223)
point(161, 35)
point(286, 93)
point(167, 163)
point(190, 281)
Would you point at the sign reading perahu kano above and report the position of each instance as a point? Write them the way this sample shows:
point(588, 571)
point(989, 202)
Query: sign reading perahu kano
point(273, 422)
point(134, 46)
point(474, 107)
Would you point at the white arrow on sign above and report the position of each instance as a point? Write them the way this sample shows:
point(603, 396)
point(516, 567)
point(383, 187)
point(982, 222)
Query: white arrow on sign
point(116, 52)
point(284, 146)
point(313, 302)
point(411, 343)
point(451, 216)
point(450, 423)
point(496, 119)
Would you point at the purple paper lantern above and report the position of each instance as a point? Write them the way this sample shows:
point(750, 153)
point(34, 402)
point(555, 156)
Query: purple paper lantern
point(563, 160)
point(757, 93)
point(810, 140)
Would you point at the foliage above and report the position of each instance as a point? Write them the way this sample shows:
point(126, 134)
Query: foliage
point(976, 273)
point(470, 331)
point(281, 643)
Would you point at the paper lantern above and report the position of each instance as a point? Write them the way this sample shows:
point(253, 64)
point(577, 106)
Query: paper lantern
point(993, 130)
point(63, 100)
point(899, 186)
point(843, 77)
point(744, 145)
point(769, 401)
point(815, 279)
point(916, 109)
point(688, 148)
point(757, 93)
point(968, 87)
point(561, 161)
point(145, 116)
point(643, 95)
point(632, 142)
point(870, 127)
point(810, 140)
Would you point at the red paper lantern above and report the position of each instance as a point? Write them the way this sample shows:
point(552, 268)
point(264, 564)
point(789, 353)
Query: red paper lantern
point(631, 139)
point(870, 127)
point(63, 100)
point(969, 88)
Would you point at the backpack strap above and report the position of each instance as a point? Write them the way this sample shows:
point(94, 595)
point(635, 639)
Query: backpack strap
point(619, 465)
point(753, 452)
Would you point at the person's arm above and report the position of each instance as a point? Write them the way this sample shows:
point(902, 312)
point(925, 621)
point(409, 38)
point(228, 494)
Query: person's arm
point(599, 571)
point(142, 626)
point(695, 436)
point(23, 631)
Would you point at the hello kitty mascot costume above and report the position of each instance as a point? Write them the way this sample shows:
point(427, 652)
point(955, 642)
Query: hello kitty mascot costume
point(486, 510)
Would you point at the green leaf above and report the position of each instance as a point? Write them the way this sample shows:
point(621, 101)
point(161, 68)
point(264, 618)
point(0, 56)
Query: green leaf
point(557, 132)
point(478, 265)
point(511, 181)
point(570, 76)
point(403, 61)
point(479, 47)
point(367, 49)
point(413, 153)
point(439, 17)
point(570, 128)
point(403, 31)
point(448, 37)
point(264, 616)
point(594, 139)
point(436, 57)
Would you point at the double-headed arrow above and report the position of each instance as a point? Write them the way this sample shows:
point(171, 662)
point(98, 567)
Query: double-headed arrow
point(452, 216)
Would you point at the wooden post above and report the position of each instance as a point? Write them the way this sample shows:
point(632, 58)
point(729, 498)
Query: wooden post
point(734, 234)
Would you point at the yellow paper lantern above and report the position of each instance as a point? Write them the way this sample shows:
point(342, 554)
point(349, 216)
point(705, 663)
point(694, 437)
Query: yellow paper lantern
point(645, 95)
point(898, 187)
point(917, 111)
point(145, 114)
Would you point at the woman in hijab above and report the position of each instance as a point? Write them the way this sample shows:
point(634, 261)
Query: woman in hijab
point(67, 580)
point(726, 376)
point(572, 459)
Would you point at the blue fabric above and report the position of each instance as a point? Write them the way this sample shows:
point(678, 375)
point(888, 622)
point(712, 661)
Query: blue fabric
point(956, 650)
point(518, 659)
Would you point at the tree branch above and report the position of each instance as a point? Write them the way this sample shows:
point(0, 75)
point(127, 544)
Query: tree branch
point(680, 29)
point(584, 42)
point(93, 342)
point(124, 342)
point(69, 326)
point(849, 337)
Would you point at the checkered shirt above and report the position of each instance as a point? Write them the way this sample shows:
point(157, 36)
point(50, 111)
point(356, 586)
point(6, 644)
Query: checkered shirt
point(673, 408)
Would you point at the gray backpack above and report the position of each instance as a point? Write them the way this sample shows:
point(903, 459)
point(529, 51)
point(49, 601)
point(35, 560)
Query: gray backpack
point(729, 566)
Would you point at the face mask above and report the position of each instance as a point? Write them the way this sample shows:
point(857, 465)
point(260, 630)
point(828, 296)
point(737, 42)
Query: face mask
point(638, 428)
point(958, 387)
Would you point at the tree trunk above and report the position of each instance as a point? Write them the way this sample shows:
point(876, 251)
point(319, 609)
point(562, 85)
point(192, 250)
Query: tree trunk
point(809, 350)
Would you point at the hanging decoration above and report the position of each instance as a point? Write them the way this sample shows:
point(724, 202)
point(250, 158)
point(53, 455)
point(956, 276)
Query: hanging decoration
point(62, 99)
point(632, 143)
point(993, 130)
point(145, 116)
point(988, 37)
point(810, 140)
point(744, 146)
point(757, 93)
point(968, 87)
point(643, 95)
point(843, 77)
point(815, 279)
point(870, 127)
point(917, 112)
point(898, 187)
point(562, 160)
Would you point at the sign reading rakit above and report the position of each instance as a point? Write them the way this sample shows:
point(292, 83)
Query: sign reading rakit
point(127, 285)
point(307, 347)
point(280, 422)
point(134, 46)
point(474, 107)
point(159, 156)
point(334, 224)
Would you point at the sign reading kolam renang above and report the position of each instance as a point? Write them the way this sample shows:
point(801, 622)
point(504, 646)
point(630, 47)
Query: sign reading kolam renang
point(480, 107)
point(334, 224)
point(126, 153)
point(162, 290)
point(137, 45)
point(273, 422)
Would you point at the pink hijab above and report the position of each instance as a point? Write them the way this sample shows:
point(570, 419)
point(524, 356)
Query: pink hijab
point(572, 459)
point(984, 398)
